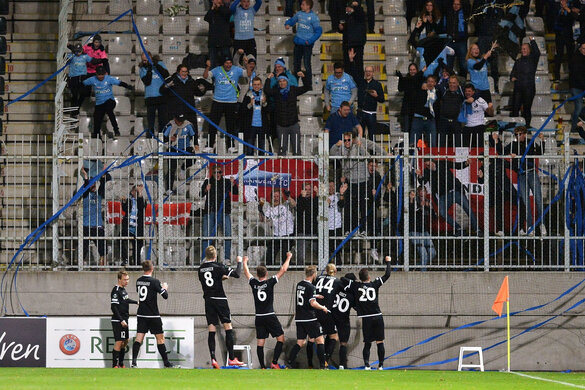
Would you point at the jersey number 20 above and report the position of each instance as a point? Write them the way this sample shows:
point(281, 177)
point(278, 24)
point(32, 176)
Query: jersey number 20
point(368, 294)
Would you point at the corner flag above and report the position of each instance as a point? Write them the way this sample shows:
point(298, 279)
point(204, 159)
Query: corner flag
point(503, 296)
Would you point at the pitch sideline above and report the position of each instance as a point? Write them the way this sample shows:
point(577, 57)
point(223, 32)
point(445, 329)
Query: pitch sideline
point(547, 380)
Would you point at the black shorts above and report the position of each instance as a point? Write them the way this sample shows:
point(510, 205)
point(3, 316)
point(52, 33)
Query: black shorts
point(309, 328)
point(154, 325)
point(343, 328)
point(217, 310)
point(268, 325)
point(120, 333)
point(373, 328)
point(327, 322)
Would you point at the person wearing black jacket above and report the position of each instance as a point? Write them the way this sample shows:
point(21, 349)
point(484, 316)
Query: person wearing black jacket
point(449, 191)
point(448, 127)
point(528, 180)
point(455, 25)
point(285, 103)
point(426, 110)
point(425, 35)
point(577, 82)
point(563, 29)
point(187, 88)
point(306, 220)
point(486, 24)
point(409, 84)
point(523, 75)
point(370, 93)
point(421, 214)
point(219, 39)
point(354, 37)
point(133, 224)
point(119, 304)
point(218, 207)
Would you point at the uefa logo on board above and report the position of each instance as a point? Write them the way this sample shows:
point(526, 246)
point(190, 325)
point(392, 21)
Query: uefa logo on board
point(69, 344)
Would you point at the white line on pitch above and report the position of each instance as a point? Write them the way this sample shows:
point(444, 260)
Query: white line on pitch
point(547, 380)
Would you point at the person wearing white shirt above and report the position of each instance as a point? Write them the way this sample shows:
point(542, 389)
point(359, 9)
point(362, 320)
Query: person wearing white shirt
point(283, 225)
point(473, 112)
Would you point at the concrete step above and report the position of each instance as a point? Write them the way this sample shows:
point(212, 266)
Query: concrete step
point(46, 7)
point(20, 117)
point(43, 27)
point(20, 87)
point(29, 149)
point(25, 213)
point(47, 56)
point(15, 37)
point(24, 107)
point(91, 26)
point(35, 97)
point(27, 128)
point(32, 16)
point(31, 66)
point(32, 47)
point(22, 192)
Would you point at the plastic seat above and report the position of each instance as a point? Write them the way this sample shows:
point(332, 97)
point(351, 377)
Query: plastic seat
point(145, 146)
point(276, 26)
point(151, 43)
point(311, 125)
point(394, 63)
point(259, 24)
point(310, 105)
point(166, 4)
point(198, 26)
point(542, 85)
point(537, 122)
point(261, 46)
point(147, 7)
point(148, 25)
point(120, 65)
point(198, 7)
point(85, 125)
point(124, 123)
point(172, 62)
point(542, 65)
point(174, 25)
point(505, 64)
point(535, 24)
point(397, 45)
point(395, 25)
point(394, 104)
point(276, 7)
point(281, 45)
point(492, 84)
point(309, 144)
point(176, 44)
point(123, 106)
point(392, 85)
point(393, 7)
point(92, 147)
point(542, 105)
point(117, 147)
point(116, 7)
point(139, 106)
point(120, 44)
point(505, 86)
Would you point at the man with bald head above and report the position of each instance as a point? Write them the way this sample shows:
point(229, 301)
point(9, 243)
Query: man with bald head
point(370, 93)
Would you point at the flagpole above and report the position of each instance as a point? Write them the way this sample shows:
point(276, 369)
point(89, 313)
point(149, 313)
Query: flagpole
point(508, 326)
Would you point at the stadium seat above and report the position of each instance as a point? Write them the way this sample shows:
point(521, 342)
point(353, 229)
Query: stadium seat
point(310, 105)
point(196, 169)
point(198, 7)
point(394, 63)
point(120, 44)
point(542, 85)
point(117, 147)
point(176, 44)
point(537, 122)
point(276, 26)
point(535, 24)
point(166, 4)
point(172, 62)
point(542, 65)
point(395, 25)
point(195, 187)
point(492, 84)
point(311, 125)
point(198, 44)
point(120, 65)
point(394, 105)
point(151, 43)
point(309, 144)
point(123, 106)
point(505, 64)
point(92, 147)
point(392, 85)
point(259, 25)
point(147, 7)
point(124, 123)
point(85, 125)
point(145, 146)
point(139, 125)
point(117, 7)
point(261, 46)
point(542, 105)
point(281, 45)
point(148, 25)
point(397, 45)
point(505, 86)
point(174, 25)
point(276, 7)
point(139, 106)
point(393, 8)
point(197, 26)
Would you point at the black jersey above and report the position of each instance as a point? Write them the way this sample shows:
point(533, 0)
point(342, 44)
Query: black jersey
point(120, 303)
point(305, 294)
point(148, 288)
point(263, 295)
point(328, 286)
point(366, 294)
point(344, 301)
point(211, 277)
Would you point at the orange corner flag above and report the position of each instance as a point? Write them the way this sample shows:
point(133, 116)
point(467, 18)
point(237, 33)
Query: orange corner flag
point(503, 296)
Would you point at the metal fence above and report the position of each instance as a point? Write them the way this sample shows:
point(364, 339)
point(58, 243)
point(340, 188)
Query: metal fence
point(429, 208)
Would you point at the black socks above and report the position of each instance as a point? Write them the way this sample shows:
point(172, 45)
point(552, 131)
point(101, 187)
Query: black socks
point(321, 355)
point(277, 352)
point(260, 352)
point(211, 344)
point(115, 357)
point(310, 346)
point(381, 353)
point(343, 355)
point(229, 343)
point(366, 354)
point(135, 350)
point(162, 349)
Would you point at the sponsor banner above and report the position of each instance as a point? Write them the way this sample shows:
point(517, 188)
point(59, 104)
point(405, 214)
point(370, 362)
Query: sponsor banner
point(89, 342)
point(22, 342)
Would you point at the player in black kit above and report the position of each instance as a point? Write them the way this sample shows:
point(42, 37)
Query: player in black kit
point(305, 319)
point(366, 304)
point(148, 316)
point(327, 286)
point(340, 311)
point(266, 322)
point(120, 303)
point(211, 275)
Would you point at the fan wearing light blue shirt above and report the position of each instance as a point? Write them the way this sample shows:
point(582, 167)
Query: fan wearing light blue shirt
point(104, 99)
point(244, 25)
point(77, 73)
point(339, 87)
point(308, 31)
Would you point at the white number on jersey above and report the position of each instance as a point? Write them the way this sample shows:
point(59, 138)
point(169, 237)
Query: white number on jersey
point(327, 286)
point(142, 292)
point(261, 295)
point(300, 298)
point(208, 279)
point(368, 294)
point(342, 304)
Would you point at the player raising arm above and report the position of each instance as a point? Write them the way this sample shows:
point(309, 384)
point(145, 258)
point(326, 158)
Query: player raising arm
point(327, 286)
point(266, 320)
point(211, 274)
point(148, 316)
point(305, 319)
point(366, 304)
point(342, 304)
point(120, 303)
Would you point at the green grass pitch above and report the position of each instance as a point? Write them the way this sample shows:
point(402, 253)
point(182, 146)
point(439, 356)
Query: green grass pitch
point(128, 379)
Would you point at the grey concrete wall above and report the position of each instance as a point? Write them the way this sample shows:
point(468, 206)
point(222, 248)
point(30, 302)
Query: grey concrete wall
point(415, 305)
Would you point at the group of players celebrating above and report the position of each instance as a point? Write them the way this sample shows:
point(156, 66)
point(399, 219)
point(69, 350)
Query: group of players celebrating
point(323, 306)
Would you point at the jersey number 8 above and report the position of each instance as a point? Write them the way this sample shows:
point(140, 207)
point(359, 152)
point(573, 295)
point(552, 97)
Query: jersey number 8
point(208, 279)
point(368, 294)
point(142, 292)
